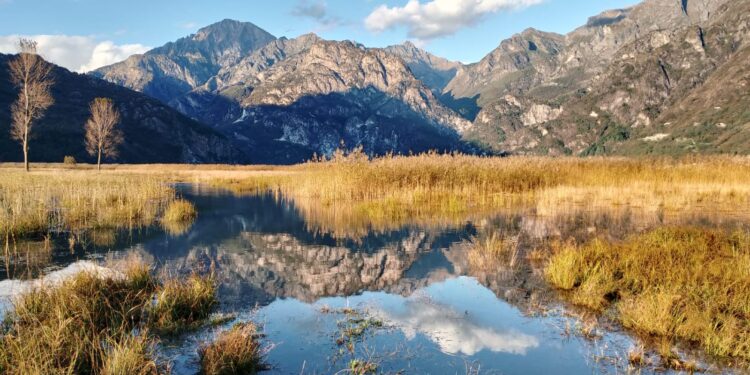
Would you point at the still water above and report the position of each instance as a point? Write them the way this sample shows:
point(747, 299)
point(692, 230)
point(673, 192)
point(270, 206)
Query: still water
point(435, 311)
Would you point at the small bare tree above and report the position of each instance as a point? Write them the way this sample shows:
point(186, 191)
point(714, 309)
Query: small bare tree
point(32, 75)
point(102, 135)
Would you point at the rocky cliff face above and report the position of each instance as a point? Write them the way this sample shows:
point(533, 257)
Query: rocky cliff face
point(605, 83)
point(153, 131)
point(518, 64)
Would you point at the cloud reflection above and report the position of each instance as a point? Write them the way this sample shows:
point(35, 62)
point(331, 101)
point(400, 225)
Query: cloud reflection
point(452, 331)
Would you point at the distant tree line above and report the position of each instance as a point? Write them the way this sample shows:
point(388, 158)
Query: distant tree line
point(32, 75)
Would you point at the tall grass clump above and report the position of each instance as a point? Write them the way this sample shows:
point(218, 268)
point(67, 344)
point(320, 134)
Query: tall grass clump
point(70, 327)
point(100, 322)
point(133, 355)
point(677, 283)
point(183, 305)
point(236, 351)
point(179, 216)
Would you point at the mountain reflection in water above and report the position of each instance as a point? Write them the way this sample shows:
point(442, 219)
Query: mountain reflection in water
point(442, 312)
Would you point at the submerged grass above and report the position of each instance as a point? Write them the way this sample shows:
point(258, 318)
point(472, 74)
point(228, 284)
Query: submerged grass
point(98, 322)
point(183, 305)
point(677, 283)
point(234, 352)
point(493, 252)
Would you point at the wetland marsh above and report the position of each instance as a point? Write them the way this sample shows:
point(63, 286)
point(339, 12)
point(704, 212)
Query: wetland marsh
point(429, 264)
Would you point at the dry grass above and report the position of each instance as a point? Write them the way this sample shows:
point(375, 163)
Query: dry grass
point(351, 195)
point(236, 351)
point(183, 305)
point(98, 322)
point(132, 355)
point(70, 328)
point(493, 252)
point(686, 283)
point(180, 211)
point(73, 200)
point(178, 217)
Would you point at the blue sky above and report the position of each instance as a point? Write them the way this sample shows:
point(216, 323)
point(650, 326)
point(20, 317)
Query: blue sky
point(84, 34)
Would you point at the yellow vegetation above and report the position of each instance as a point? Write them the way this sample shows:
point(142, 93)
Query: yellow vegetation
point(687, 283)
point(235, 351)
point(99, 322)
point(351, 195)
point(70, 200)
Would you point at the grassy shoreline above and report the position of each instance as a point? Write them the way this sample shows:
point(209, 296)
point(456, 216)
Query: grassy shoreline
point(351, 194)
point(101, 321)
point(673, 283)
point(64, 201)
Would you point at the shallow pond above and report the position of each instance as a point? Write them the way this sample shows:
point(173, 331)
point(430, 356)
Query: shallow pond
point(407, 299)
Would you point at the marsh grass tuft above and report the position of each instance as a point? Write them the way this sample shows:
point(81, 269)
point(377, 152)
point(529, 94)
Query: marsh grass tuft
point(179, 217)
point(494, 252)
point(678, 283)
point(180, 211)
point(236, 351)
point(63, 328)
point(132, 355)
point(183, 305)
point(97, 322)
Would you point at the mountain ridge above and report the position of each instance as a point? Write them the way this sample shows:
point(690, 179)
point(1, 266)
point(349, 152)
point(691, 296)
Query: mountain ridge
point(536, 93)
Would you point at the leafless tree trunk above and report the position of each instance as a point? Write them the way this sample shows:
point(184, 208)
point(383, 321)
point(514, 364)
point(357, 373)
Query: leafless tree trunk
point(102, 135)
point(32, 75)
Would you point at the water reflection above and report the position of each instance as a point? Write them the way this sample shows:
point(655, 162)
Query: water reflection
point(454, 331)
point(444, 310)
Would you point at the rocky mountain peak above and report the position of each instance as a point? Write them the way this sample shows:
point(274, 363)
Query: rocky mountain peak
point(222, 43)
point(609, 17)
point(434, 71)
point(176, 68)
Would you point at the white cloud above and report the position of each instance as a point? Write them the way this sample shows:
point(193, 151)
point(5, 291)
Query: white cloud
point(317, 11)
point(76, 53)
point(189, 25)
point(438, 18)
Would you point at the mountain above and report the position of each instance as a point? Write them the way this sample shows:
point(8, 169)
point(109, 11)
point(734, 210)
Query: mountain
point(517, 65)
point(609, 86)
point(435, 72)
point(661, 77)
point(289, 99)
point(176, 68)
point(313, 94)
point(153, 132)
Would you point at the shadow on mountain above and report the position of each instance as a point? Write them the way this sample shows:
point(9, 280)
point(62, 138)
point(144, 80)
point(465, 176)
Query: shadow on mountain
point(319, 124)
point(153, 132)
point(468, 108)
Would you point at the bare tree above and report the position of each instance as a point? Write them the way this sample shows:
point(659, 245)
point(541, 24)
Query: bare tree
point(102, 135)
point(32, 75)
